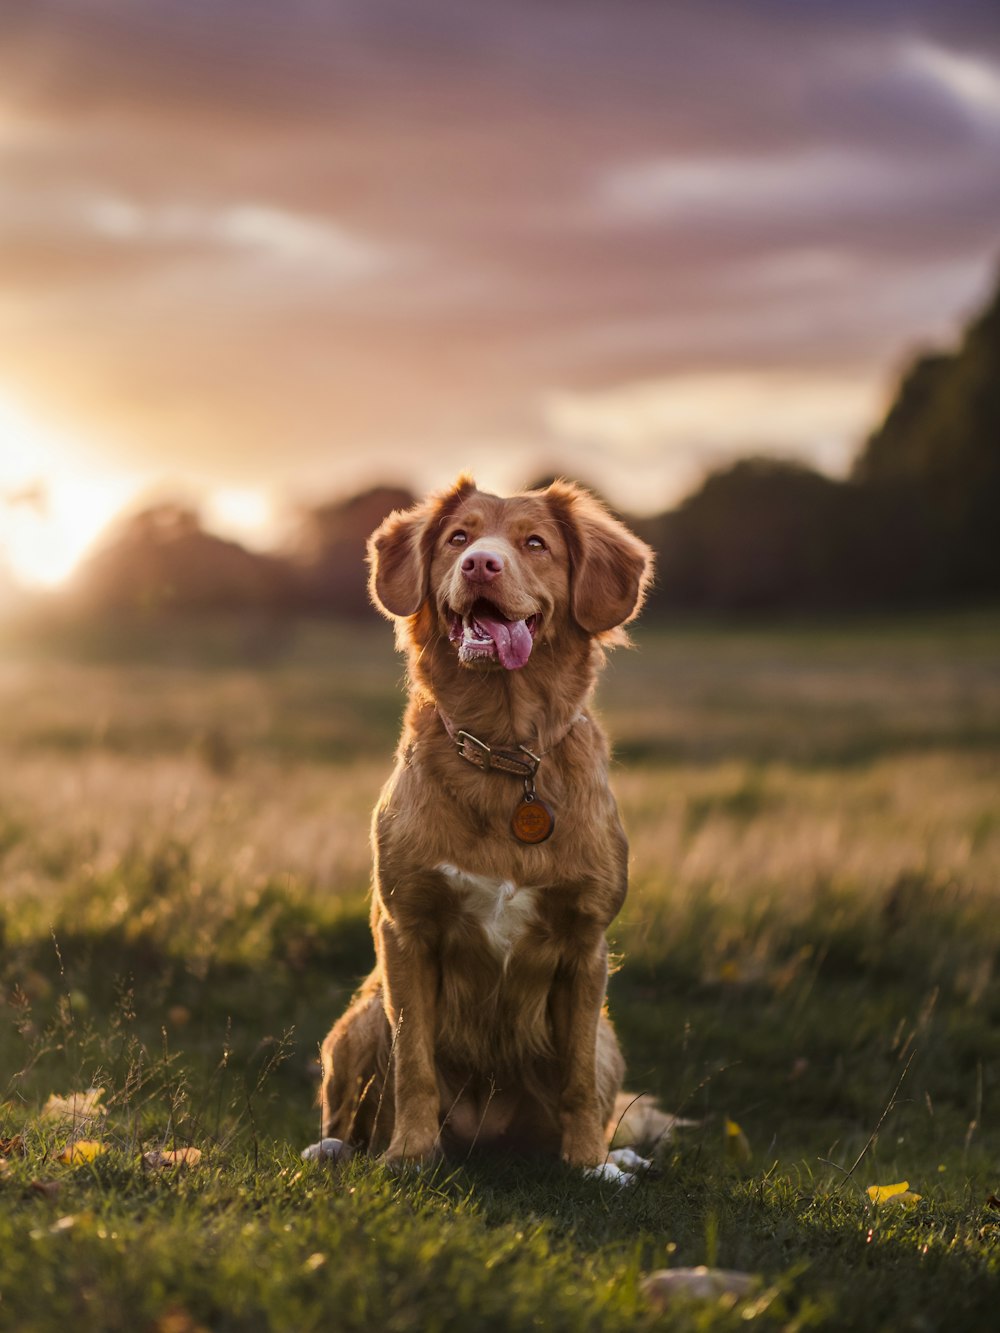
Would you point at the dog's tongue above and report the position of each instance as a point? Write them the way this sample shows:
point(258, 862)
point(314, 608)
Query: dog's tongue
point(512, 639)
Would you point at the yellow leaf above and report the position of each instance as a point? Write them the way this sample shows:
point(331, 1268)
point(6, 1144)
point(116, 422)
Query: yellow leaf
point(879, 1193)
point(895, 1194)
point(84, 1150)
point(737, 1143)
point(172, 1157)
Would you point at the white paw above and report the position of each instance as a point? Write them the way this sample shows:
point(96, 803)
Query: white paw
point(611, 1173)
point(629, 1160)
point(327, 1150)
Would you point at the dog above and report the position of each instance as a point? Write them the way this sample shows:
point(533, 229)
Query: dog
point(499, 855)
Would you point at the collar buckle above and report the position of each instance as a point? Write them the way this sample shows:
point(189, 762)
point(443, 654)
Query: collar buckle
point(523, 764)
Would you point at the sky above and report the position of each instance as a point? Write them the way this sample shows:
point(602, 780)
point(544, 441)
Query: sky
point(256, 255)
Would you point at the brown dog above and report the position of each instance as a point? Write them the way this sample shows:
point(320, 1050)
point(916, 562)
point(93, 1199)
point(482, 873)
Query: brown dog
point(500, 860)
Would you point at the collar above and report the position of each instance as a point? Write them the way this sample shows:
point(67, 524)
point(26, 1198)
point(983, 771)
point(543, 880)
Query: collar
point(522, 762)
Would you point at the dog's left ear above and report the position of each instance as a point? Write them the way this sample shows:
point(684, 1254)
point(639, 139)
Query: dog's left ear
point(611, 567)
point(400, 551)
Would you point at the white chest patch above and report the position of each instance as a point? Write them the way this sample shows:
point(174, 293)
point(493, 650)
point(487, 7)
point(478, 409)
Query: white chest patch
point(502, 910)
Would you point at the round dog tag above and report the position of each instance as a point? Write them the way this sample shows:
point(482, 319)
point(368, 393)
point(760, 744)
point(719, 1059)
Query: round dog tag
point(533, 820)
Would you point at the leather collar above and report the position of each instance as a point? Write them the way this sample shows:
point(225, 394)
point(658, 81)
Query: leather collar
point(522, 762)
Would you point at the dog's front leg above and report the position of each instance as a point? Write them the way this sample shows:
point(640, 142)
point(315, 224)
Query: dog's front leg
point(410, 989)
point(577, 1010)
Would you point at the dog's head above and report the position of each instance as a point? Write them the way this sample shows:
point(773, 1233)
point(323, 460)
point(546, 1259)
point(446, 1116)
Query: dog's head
point(494, 576)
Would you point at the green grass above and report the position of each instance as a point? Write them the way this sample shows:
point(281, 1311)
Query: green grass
point(810, 950)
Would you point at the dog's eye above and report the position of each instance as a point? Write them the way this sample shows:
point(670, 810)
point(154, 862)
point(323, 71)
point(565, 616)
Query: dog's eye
point(458, 538)
point(535, 543)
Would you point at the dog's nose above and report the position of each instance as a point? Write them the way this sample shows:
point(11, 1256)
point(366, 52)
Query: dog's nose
point(482, 566)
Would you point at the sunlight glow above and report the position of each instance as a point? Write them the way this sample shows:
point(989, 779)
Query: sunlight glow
point(241, 512)
point(670, 430)
point(51, 506)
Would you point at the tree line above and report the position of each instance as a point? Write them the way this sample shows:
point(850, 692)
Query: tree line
point(915, 523)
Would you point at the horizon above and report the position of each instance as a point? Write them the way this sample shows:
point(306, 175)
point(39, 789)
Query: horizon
point(251, 259)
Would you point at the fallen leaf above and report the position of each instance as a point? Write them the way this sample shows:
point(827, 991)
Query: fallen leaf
point(894, 1194)
point(737, 1143)
point(13, 1147)
point(993, 1202)
point(694, 1284)
point(171, 1157)
point(48, 1189)
point(177, 1320)
point(77, 1108)
point(84, 1150)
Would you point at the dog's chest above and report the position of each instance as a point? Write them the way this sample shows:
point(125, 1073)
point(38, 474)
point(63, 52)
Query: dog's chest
point(502, 910)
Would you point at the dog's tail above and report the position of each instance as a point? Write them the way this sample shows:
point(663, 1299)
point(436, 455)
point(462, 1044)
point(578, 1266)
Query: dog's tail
point(640, 1122)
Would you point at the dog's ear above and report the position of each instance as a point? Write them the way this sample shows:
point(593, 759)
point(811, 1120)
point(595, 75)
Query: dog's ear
point(400, 551)
point(611, 567)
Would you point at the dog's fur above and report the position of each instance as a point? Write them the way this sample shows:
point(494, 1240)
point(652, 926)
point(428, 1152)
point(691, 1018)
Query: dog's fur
point(482, 1022)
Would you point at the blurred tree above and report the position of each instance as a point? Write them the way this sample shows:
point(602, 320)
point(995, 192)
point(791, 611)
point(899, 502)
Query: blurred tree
point(760, 535)
point(938, 453)
point(162, 559)
point(916, 521)
point(327, 554)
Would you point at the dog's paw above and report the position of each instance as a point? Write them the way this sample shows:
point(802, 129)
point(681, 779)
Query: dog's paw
point(401, 1160)
point(622, 1166)
point(611, 1173)
point(327, 1150)
point(627, 1159)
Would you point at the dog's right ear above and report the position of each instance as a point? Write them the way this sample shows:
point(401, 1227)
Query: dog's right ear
point(397, 579)
point(400, 551)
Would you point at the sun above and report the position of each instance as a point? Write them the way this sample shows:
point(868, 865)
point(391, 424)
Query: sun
point(243, 513)
point(52, 506)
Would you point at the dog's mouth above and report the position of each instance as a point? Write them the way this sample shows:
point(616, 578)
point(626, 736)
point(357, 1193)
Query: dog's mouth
point(484, 634)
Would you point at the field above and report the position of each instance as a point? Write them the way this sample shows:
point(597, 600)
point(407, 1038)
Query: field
point(809, 972)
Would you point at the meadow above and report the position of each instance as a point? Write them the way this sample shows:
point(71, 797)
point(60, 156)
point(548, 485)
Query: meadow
point(808, 972)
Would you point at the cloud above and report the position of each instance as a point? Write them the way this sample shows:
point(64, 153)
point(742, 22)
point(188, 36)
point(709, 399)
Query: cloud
point(257, 228)
point(669, 430)
point(972, 81)
point(262, 232)
point(805, 186)
point(905, 127)
point(254, 242)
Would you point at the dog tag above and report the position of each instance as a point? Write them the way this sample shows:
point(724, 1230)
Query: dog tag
point(533, 820)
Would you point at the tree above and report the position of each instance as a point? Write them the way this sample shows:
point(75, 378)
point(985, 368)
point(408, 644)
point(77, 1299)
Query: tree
point(327, 556)
point(760, 535)
point(939, 449)
point(162, 559)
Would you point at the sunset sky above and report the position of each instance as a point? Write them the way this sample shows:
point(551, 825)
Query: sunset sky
point(258, 253)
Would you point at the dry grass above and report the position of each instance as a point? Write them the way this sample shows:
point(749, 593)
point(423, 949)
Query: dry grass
point(816, 870)
point(751, 765)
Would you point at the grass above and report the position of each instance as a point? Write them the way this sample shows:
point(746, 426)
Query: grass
point(810, 952)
